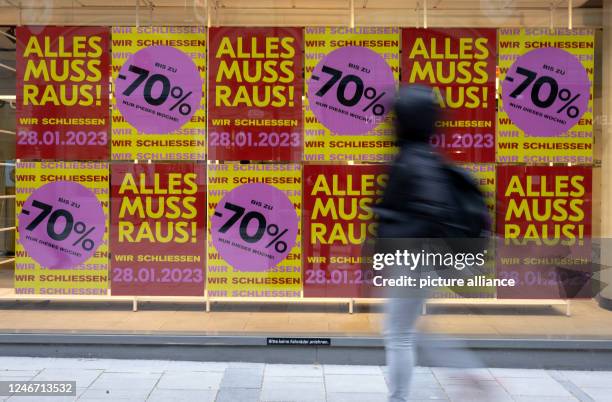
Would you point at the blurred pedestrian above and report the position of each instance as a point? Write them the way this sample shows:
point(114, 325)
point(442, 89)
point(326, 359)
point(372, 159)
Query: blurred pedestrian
point(426, 198)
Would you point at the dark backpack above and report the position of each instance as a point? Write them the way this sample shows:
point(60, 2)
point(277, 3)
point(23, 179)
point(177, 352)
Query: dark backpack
point(467, 229)
point(469, 216)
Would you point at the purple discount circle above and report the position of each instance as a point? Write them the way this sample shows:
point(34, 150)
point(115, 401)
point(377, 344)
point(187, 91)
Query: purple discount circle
point(254, 227)
point(351, 90)
point(546, 92)
point(61, 224)
point(158, 89)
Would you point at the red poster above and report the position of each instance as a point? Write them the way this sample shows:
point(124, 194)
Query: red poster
point(544, 228)
point(460, 65)
point(255, 94)
point(158, 229)
point(337, 223)
point(62, 92)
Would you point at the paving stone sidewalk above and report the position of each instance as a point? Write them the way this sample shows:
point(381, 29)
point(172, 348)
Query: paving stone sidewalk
point(154, 380)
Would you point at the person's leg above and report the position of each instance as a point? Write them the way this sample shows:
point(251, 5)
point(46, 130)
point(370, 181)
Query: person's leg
point(400, 343)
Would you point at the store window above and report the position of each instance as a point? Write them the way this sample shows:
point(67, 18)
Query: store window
point(228, 155)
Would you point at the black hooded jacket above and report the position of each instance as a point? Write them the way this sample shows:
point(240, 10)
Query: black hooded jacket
point(417, 198)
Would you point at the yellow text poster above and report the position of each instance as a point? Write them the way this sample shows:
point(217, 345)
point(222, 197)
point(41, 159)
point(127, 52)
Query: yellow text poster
point(546, 113)
point(159, 103)
point(62, 228)
point(254, 230)
point(351, 78)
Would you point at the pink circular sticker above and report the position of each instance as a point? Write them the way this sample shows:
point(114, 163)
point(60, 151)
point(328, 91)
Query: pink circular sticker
point(351, 90)
point(61, 224)
point(158, 89)
point(546, 92)
point(254, 227)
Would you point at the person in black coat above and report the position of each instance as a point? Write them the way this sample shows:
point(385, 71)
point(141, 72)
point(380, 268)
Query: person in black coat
point(417, 191)
point(416, 201)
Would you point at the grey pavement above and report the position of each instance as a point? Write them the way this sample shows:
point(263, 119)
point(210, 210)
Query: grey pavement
point(157, 380)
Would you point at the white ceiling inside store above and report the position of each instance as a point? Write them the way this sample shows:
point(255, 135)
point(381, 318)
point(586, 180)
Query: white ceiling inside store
point(295, 12)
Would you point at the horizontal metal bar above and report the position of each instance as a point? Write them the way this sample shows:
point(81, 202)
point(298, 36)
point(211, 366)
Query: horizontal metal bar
point(408, 8)
point(2, 197)
point(437, 341)
point(7, 164)
point(9, 132)
point(7, 261)
point(378, 9)
point(7, 229)
point(399, 8)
